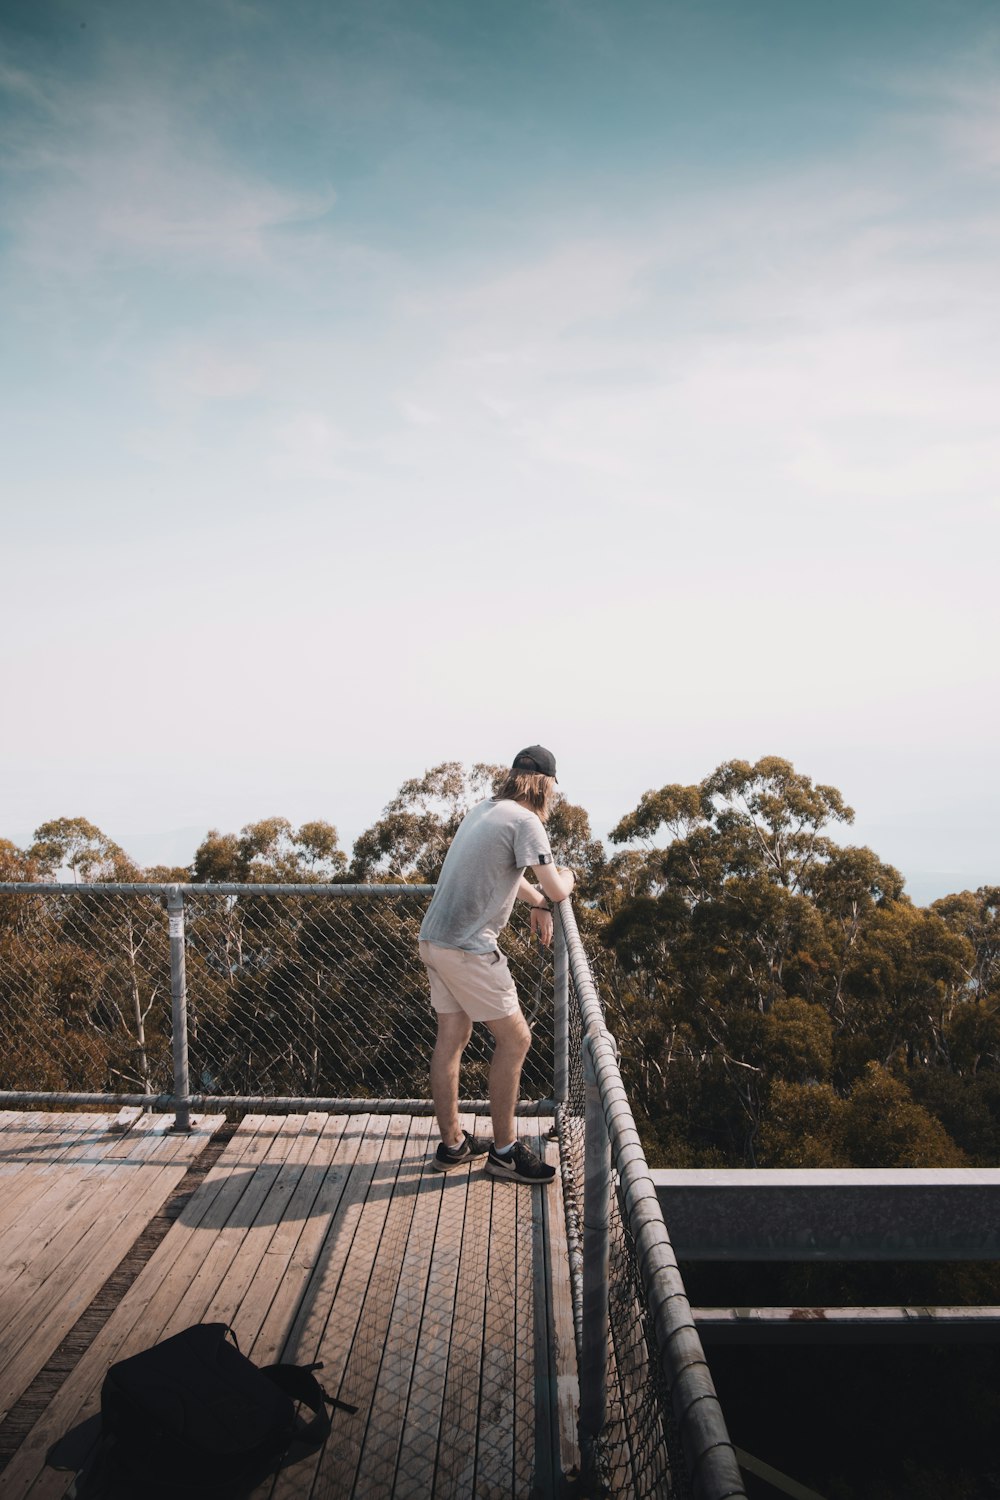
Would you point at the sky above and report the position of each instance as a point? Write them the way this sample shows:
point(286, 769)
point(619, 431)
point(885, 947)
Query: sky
point(395, 383)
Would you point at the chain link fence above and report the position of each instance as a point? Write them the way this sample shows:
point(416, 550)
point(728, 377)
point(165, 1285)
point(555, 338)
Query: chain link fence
point(292, 993)
point(650, 1422)
point(84, 991)
point(638, 1450)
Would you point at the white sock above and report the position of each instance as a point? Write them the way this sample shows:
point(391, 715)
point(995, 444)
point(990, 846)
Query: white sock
point(504, 1150)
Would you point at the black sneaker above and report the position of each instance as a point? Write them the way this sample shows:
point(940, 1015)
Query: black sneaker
point(519, 1165)
point(447, 1158)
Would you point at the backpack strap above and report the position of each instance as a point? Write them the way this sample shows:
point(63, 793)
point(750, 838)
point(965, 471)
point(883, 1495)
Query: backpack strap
point(299, 1382)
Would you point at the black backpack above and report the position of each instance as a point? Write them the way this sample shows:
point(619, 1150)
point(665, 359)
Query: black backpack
point(194, 1417)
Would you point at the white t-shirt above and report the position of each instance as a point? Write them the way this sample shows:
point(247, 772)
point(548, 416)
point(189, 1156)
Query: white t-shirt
point(495, 843)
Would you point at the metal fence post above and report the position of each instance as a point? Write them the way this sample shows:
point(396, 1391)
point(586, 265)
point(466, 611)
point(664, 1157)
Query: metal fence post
point(595, 1323)
point(560, 1018)
point(178, 1007)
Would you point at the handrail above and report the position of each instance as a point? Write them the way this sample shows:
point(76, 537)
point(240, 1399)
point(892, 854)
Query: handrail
point(207, 888)
point(277, 1104)
point(711, 1459)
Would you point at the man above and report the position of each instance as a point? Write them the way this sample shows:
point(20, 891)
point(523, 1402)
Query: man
point(482, 875)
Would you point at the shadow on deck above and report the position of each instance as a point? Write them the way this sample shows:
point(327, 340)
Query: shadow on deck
point(439, 1304)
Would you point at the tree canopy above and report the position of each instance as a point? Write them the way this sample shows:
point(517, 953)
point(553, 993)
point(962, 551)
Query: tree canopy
point(778, 998)
point(762, 970)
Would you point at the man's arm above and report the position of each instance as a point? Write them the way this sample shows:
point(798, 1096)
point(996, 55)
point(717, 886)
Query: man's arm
point(556, 883)
point(530, 893)
point(555, 880)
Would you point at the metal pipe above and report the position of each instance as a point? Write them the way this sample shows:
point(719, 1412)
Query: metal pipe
point(262, 1104)
point(560, 1016)
point(591, 1009)
point(596, 1223)
point(223, 888)
point(178, 1007)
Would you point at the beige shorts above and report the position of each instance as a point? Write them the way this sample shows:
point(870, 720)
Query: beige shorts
point(478, 983)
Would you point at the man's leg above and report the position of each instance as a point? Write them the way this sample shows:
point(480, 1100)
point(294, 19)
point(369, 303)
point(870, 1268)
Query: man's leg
point(453, 1033)
point(513, 1039)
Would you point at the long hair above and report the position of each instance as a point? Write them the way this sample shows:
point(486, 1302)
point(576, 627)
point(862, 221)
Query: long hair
point(538, 791)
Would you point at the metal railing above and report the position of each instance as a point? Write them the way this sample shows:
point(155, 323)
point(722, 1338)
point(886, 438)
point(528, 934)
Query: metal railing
point(650, 1420)
point(234, 996)
point(303, 997)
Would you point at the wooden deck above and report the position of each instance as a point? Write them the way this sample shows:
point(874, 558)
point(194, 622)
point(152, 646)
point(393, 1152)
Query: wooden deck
point(438, 1303)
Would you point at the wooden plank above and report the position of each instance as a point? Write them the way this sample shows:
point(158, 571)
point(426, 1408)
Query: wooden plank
point(50, 1303)
point(379, 1458)
point(53, 1292)
point(14, 1121)
point(463, 1191)
point(303, 1197)
point(364, 1223)
point(371, 1344)
point(249, 1224)
point(27, 1135)
point(45, 1217)
point(127, 1116)
point(21, 1166)
point(366, 1133)
point(311, 1337)
point(495, 1437)
point(57, 1142)
point(562, 1332)
point(45, 1245)
point(537, 1275)
point(55, 1210)
point(308, 1161)
point(84, 1143)
point(243, 1296)
point(488, 1215)
point(18, 1130)
point(342, 1136)
point(154, 1139)
point(21, 1190)
point(64, 1143)
point(130, 1329)
point(296, 1314)
point(69, 1204)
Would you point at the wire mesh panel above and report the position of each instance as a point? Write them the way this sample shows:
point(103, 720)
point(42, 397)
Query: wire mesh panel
point(319, 996)
point(84, 992)
point(650, 1420)
point(639, 1449)
point(289, 994)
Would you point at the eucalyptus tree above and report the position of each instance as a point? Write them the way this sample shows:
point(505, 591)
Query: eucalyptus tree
point(765, 963)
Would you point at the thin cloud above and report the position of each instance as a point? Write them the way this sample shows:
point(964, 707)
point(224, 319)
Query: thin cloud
point(108, 180)
point(308, 446)
point(206, 371)
point(955, 108)
point(818, 332)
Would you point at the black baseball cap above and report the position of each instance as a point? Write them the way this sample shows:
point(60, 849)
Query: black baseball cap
point(537, 760)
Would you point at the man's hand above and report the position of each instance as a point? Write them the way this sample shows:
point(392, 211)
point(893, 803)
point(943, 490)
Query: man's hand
point(541, 924)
